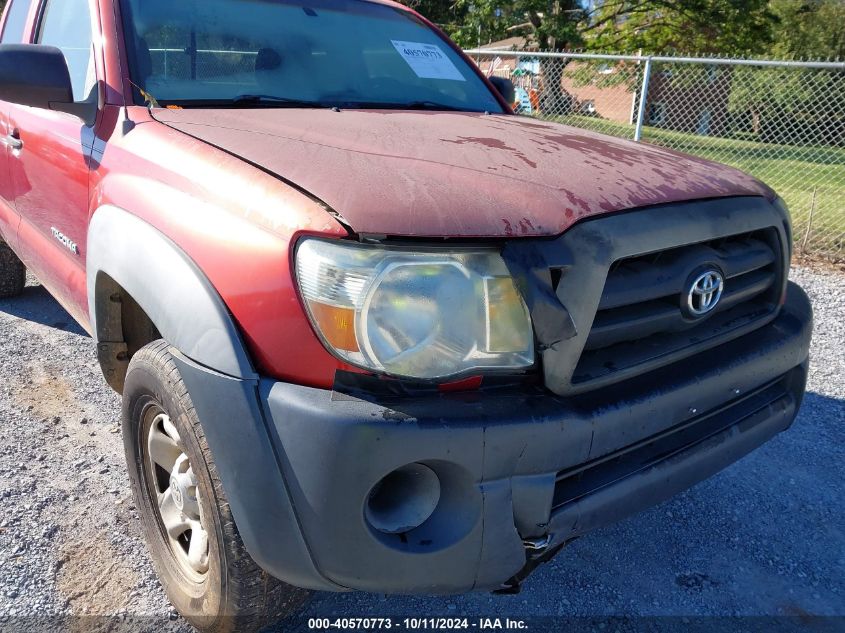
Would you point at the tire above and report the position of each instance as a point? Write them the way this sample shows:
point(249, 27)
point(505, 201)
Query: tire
point(12, 273)
point(233, 593)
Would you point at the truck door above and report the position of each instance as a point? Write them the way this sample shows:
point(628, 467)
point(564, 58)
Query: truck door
point(14, 24)
point(49, 171)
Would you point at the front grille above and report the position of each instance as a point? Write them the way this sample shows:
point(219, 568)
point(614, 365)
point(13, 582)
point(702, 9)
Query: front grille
point(743, 413)
point(640, 316)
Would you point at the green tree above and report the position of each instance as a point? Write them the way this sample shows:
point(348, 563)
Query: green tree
point(809, 28)
point(794, 105)
point(725, 27)
point(551, 24)
point(658, 26)
point(484, 22)
point(444, 13)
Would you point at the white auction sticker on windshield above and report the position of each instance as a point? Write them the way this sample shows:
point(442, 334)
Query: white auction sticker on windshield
point(428, 61)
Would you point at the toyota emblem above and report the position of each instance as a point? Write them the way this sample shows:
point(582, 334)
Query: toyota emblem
point(704, 293)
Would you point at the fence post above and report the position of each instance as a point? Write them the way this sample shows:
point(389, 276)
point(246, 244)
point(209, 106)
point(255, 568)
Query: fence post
point(632, 118)
point(809, 222)
point(638, 132)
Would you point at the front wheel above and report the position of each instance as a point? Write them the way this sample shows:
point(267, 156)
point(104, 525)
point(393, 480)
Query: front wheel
point(194, 543)
point(12, 272)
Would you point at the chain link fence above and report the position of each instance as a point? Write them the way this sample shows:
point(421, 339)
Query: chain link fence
point(782, 121)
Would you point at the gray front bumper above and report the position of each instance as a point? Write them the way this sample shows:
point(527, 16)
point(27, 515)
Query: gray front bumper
point(504, 458)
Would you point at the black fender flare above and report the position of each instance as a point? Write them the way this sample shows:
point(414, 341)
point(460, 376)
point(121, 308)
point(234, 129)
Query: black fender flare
point(208, 350)
point(170, 288)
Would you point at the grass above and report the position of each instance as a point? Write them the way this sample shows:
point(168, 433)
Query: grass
point(811, 179)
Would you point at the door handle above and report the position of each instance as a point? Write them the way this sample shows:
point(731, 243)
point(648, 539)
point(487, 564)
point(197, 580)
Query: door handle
point(14, 141)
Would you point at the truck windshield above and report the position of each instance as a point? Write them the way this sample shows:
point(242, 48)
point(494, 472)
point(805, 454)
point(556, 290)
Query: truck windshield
point(278, 53)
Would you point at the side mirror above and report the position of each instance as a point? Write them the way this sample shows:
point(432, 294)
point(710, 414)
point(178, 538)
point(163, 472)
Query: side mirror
point(34, 75)
point(505, 88)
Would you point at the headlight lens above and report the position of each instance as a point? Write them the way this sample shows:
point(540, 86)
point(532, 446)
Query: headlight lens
point(415, 314)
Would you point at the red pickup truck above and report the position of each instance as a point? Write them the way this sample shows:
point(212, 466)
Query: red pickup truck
point(372, 330)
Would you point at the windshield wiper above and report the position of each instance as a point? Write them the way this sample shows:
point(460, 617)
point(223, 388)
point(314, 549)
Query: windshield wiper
point(412, 105)
point(269, 101)
point(278, 101)
point(272, 101)
point(433, 105)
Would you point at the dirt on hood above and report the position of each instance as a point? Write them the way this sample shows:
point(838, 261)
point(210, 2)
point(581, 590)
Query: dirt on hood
point(457, 174)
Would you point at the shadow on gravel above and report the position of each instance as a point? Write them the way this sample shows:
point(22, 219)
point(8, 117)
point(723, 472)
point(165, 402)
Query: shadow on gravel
point(38, 306)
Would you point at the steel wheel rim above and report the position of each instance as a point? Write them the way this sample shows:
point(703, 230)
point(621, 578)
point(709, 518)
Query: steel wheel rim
point(174, 493)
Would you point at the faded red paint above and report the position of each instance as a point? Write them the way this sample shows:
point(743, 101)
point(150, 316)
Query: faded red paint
point(458, 174)
point(396, 173)
point(236, 223)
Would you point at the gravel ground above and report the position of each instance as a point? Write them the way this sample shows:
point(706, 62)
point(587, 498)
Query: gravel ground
point(764, 538)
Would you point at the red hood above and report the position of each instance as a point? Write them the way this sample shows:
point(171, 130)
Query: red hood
point(458, 174)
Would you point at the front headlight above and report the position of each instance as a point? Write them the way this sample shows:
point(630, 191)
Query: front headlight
point(417, 314)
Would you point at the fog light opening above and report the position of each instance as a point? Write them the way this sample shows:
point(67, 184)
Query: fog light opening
point(403, 500)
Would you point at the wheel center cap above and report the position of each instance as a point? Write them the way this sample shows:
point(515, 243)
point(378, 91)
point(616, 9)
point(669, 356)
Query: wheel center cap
point(178, 493)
